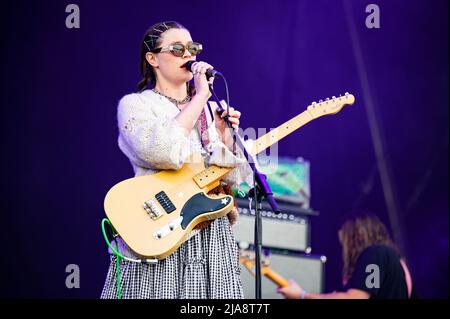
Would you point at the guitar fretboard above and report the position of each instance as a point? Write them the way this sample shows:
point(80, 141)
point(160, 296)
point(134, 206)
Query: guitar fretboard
point(214, 173)
point(280, 132)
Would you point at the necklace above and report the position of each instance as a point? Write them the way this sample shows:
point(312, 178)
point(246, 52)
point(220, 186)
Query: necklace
point(171, 99)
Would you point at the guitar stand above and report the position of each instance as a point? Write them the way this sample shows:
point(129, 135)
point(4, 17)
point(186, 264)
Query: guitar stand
point(261, 190)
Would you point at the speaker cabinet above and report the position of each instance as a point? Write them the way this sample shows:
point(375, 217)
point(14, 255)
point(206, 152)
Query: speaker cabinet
point(288, 230)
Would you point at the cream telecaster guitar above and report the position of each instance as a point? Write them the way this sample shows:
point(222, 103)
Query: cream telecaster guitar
point(154, 214)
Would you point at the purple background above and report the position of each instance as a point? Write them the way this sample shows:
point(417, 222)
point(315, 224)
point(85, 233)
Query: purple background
point(60, 88)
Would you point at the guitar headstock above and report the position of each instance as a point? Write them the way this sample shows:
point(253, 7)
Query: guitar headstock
point(247, 258)
point(330, 106)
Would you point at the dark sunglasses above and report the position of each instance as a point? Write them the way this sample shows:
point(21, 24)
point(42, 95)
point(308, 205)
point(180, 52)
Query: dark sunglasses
point(178, 49)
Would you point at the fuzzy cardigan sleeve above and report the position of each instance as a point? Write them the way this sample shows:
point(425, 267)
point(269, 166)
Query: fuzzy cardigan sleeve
point(150, 139)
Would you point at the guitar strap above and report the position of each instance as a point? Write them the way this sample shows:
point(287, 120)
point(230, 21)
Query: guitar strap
point(203, 127)
point(223, 188)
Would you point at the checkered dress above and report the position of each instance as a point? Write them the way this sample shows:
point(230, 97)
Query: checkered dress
point(205, 266)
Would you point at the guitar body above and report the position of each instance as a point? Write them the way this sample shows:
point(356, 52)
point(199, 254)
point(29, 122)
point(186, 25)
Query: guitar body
point(154, 214)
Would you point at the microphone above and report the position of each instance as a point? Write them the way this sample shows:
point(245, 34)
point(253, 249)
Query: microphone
point(209, 73)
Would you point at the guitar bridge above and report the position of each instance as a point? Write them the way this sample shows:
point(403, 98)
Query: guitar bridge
point(152, 210)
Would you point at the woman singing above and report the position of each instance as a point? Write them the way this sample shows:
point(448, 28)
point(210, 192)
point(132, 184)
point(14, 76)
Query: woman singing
point(159, 127)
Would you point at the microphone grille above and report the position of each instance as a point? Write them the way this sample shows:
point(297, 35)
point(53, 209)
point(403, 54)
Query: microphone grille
point(188, 65)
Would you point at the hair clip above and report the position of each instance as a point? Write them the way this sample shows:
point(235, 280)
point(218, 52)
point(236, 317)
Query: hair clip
point(147, 46)
point(151, 40)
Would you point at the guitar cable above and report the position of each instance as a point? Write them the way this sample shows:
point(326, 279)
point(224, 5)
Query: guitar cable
point(119, 256)
point(211, 87)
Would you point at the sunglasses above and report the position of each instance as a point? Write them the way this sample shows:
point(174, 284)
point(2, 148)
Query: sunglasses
point(178, 49)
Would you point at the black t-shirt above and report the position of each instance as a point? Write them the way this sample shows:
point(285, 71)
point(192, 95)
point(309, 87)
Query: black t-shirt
point(379, 272)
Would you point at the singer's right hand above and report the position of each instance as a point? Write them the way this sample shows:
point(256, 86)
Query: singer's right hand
point(201, 83)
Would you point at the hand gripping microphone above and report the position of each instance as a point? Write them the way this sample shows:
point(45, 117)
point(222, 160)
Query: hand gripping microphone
point(209, 73)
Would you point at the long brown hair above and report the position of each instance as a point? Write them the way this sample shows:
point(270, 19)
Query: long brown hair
point(151, 41)
point(359, 231)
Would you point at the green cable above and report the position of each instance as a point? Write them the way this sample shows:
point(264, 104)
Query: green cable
point(116, 252)
point(119, 288)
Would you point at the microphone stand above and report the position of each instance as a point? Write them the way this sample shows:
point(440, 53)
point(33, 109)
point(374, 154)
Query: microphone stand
point(260, 191)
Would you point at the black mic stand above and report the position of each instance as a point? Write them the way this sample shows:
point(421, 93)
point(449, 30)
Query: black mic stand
point(260, 190)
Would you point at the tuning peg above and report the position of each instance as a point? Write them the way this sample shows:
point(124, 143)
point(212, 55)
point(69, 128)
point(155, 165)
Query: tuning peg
point(313, 103)
point(333, 97)
point(346, 94)
point(320, 101)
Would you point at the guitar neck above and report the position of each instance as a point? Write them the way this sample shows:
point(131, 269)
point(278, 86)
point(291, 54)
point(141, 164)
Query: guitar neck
point(276, 278)
point(280, 132)
point(212, 174)
point(266, 271)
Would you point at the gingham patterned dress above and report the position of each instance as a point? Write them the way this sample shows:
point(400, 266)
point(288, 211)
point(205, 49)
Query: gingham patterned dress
point(207, 264)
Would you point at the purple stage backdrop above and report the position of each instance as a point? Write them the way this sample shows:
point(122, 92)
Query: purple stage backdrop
point(60, 89)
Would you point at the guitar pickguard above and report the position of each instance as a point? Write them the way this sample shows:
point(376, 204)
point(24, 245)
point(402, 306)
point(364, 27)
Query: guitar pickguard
point(200, 204)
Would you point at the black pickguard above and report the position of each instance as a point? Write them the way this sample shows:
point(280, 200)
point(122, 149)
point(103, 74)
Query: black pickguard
point(200, 204)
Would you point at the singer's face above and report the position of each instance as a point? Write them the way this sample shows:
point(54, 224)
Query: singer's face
point(169, 65)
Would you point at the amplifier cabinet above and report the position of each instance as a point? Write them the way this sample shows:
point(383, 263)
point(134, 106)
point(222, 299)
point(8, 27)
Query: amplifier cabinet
point(288, 230)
